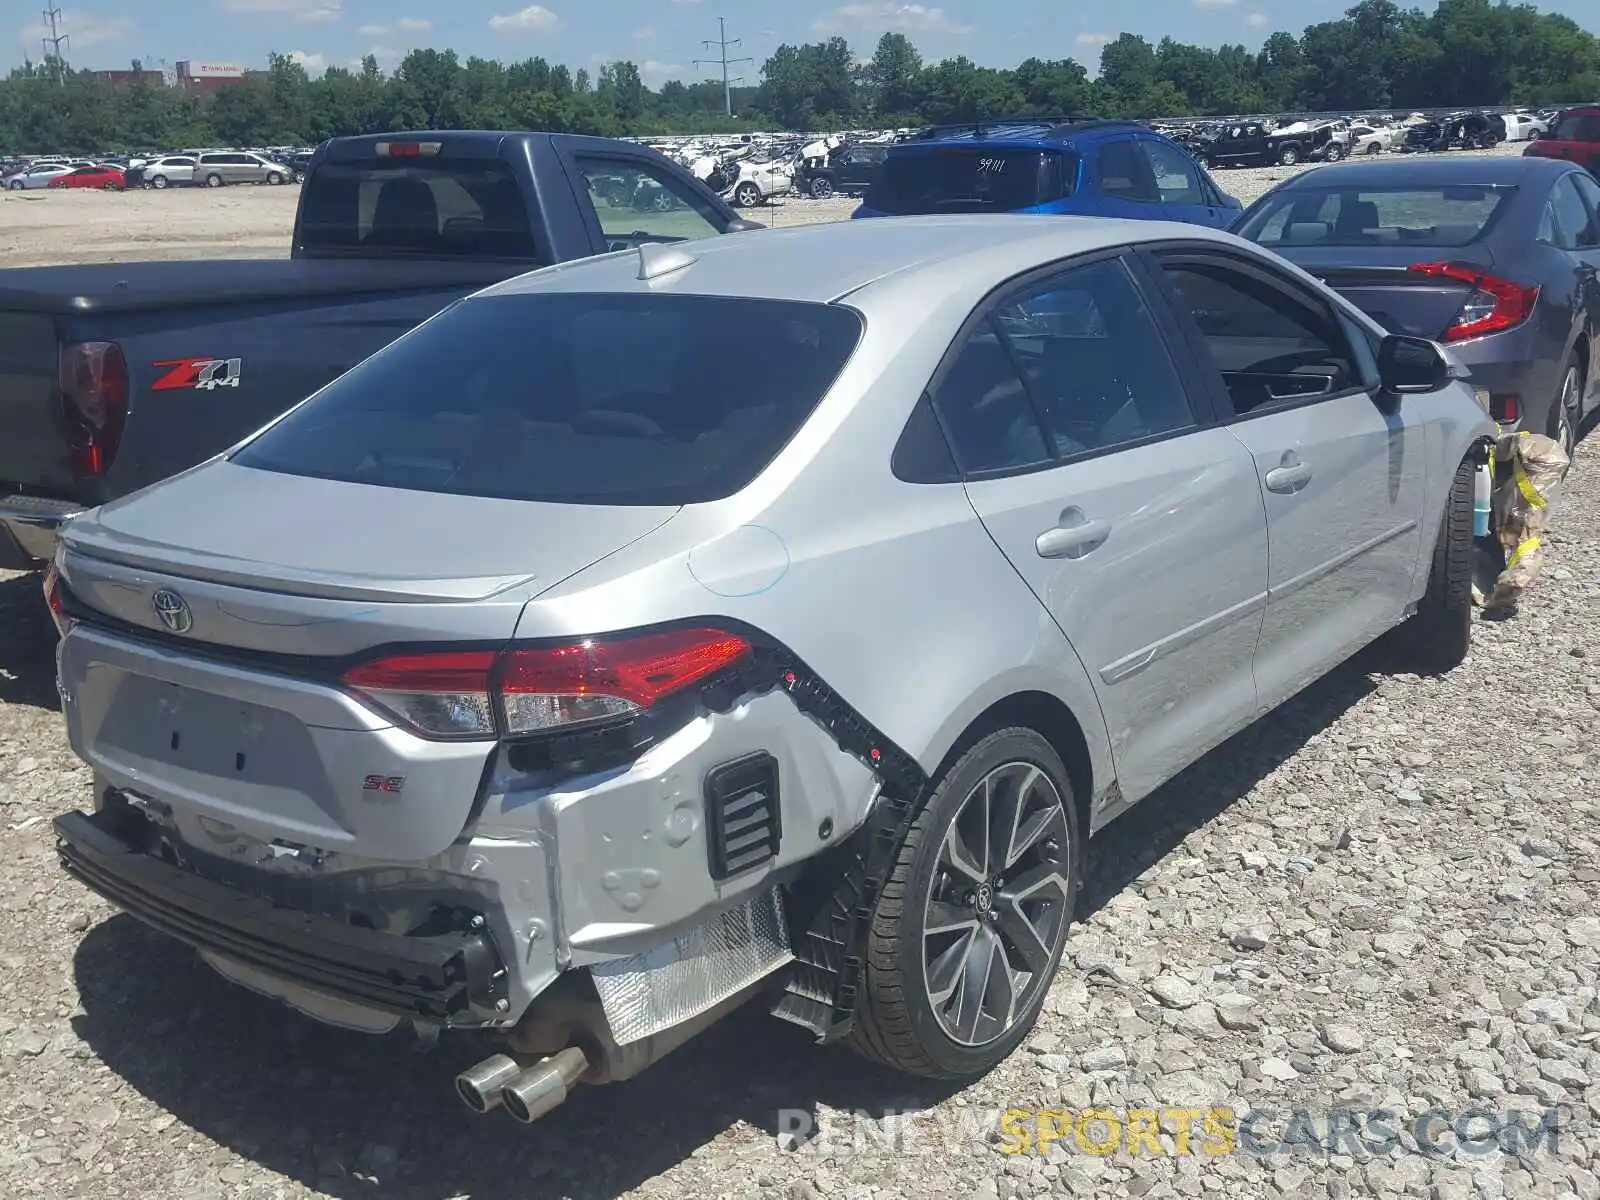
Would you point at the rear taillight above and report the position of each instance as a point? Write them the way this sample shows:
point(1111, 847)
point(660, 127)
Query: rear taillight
point(54, 601)
point(538, 688)
point(94, 395)
point(1495, 304)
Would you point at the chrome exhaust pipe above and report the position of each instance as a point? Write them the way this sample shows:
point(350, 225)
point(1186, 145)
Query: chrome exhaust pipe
point(480, 1086)
point(543, 1086)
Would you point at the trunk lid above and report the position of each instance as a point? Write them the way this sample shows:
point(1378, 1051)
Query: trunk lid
point(33, 437)
point(1383, 286)
point(232, 711)
point(257, 529)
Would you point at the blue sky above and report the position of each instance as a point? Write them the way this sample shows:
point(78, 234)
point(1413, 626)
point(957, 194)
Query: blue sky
point(662, 36)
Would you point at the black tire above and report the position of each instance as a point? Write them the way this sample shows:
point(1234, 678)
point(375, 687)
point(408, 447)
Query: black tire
point(1437, 637)
point(213, 181)
point(1374, 148)
point(1288, 156)
point(821, 188)
point(158, 181)
point(896, 1021)
point(1335, 152)
point(274, 178)
point(747, 195)
point(1566, 409)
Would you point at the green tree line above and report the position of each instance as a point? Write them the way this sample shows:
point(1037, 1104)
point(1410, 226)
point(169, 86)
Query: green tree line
point(1378, 55)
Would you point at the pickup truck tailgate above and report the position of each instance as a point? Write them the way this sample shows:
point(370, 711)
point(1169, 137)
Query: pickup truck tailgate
point(33, 445)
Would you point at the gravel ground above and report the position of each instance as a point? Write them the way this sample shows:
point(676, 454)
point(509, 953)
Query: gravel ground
point(1349, 906)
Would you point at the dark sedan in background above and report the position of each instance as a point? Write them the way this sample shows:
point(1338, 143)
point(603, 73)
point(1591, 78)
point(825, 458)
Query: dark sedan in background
point(1498, 258)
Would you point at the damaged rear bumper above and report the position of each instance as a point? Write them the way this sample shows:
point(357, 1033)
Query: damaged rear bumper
point(441, 978)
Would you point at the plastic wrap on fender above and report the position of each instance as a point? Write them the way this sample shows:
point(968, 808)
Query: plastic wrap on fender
point(1522, 506)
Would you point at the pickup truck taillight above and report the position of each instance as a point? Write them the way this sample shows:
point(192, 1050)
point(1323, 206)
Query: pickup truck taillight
point(94, 393)
point(458, 694)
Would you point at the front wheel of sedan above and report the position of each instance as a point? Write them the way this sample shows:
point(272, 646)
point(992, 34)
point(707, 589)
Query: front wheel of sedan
point(969, 927)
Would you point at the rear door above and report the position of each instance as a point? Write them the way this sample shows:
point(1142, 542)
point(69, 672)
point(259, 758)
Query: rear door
point(1134, 519)
point(1588, 254)
point(1341, 474)
point(1182, 186)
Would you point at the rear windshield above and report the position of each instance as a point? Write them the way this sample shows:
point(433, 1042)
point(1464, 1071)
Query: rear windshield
point(573, 398)
point(970, 179)
point(1397, 216)
point(1577, 127)
point(441, 210)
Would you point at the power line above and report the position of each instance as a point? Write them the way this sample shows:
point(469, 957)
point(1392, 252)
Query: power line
point(723, 43)
point(55, 39)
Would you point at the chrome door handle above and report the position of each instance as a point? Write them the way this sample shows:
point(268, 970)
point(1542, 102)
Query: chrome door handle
point(1072, 539)
point(1289, 478)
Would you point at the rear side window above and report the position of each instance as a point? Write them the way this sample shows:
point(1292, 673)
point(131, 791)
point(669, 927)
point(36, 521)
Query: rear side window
point(1577, 127)
point(385, 207)
point(573, 398)
point(971, 179)
point(1125, 173)
point(1397, 216)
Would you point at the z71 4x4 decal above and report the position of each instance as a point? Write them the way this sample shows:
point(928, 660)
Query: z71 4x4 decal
point(200, 374)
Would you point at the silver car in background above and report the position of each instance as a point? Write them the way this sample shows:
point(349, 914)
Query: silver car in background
point(774, 615)
point(239, 166)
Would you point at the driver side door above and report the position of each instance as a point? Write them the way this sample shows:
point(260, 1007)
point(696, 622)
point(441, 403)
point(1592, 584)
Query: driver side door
point(1341, 469)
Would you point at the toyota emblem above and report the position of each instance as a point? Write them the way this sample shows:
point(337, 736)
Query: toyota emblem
point(173, 610)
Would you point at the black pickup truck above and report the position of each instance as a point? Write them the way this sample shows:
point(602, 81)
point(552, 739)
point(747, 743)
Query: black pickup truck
point(115, 376)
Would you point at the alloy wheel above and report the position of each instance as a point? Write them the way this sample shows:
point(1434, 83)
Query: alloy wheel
point(1566, 434)
point(998, 904)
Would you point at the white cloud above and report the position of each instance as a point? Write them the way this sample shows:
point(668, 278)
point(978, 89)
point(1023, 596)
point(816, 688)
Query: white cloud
point(319, 16)
point(315, 64)
point(1093, 39)
point(85, 30)
point(656, 73)
point(1215, 3)
point(1257, 20)
point(644, 34)
point(277, 6)
point(536, 18)
point(887, 15)
point(373, 30)
point(414, 24)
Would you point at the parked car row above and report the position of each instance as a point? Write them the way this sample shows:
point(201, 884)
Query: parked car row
point(592, 699)
point(204, 169)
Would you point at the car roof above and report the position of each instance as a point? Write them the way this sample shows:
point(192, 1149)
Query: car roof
point(1432, 171)
point(1044, 131)
point(830, 260)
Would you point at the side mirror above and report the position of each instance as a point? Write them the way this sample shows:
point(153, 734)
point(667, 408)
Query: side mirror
point(1412, 365)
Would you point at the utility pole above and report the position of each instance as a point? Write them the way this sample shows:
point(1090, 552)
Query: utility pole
point(723, 45)
point(54, 40)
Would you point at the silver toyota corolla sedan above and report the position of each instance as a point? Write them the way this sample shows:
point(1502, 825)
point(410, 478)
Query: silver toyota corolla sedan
point(772, 615)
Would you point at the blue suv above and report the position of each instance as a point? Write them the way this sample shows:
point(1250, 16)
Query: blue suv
point(1084, 167)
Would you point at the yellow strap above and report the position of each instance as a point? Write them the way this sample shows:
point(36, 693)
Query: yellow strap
point(1525, 547)
point(1525, 485)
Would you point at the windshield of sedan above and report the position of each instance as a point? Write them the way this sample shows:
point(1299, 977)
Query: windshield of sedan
point(573, 398)
point(1367, 216)
point(959, 179)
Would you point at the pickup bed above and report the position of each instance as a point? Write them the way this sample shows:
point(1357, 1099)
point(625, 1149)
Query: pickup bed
point(115, 376)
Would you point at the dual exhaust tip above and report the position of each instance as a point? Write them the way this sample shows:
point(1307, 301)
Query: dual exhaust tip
point(527, 1093)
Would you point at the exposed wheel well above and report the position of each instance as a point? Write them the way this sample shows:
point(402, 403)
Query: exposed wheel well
point(1049, 716)
point(1580, 352)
